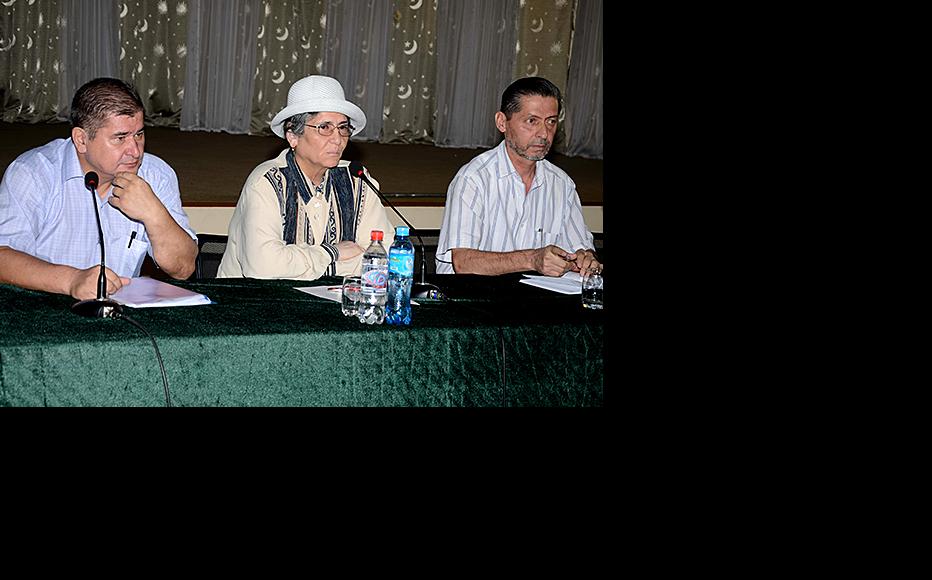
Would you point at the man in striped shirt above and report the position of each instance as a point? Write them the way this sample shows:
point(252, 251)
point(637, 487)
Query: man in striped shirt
point(511, 210)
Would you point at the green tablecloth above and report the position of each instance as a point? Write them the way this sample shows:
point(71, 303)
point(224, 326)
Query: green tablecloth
point(495, 342)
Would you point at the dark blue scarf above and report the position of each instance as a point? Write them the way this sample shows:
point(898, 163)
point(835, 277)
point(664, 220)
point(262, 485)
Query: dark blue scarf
point(338, 179)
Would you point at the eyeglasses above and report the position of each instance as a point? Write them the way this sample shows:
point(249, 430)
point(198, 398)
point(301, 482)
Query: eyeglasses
point(326, 128)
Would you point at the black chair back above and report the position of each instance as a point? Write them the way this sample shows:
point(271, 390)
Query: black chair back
point(210, 248)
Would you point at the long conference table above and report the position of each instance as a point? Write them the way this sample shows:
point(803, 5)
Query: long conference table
point(494, 342)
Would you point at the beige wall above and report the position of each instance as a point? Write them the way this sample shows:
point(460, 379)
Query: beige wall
point(210, 220)
point(216, 220)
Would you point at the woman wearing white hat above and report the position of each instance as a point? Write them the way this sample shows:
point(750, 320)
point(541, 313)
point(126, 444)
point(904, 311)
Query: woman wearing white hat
point(302, 215)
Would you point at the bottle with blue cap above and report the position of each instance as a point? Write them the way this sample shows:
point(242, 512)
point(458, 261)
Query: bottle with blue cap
point(400, 278)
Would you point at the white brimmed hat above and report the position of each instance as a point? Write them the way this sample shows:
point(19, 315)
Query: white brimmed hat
point(318, 94)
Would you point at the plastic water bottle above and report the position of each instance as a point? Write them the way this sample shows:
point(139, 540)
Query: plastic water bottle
point(400, 278)
point(374, 286)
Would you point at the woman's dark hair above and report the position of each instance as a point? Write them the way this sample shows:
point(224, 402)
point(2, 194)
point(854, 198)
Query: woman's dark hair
point(539, 86)
point(296, 123)
point(101, 98)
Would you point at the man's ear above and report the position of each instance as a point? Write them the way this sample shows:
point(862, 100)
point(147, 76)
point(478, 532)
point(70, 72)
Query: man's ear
point(501, 121)
point(292, 139)
point(80, 138)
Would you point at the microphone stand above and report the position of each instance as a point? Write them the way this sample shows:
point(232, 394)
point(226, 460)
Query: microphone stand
point(422, 289)
point(99, 307)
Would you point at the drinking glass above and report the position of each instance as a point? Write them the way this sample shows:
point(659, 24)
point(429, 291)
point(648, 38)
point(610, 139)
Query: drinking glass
point(350, 293)
point(592, 290)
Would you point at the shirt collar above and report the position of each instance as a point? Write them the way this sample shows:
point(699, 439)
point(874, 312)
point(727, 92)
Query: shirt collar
point(506, 167)
point(70, 165)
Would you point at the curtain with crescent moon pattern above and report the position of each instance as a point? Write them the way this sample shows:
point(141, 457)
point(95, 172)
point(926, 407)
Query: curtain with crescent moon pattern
point(398, 82)
point(583, 100)
point(29, 60)
point(479, 39)
point(153, 55)
point(85, 53)
point(356, 44)
point(221, 59)
point(543, 46)
point(290, 46)
point(410, 73)
point(544, 33)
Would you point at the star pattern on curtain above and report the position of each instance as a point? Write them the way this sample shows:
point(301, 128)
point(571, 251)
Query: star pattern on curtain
point(293, 40)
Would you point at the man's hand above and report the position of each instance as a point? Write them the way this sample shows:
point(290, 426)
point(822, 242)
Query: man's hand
point(133, 196)
point(552, 261)
point(584, 261)
point(549, 261)
point(172, 248)
point(84, 282)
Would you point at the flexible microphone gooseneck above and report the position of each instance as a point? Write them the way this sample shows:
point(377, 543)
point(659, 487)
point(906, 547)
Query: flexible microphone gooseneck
point(99, 307)
point(420, 289)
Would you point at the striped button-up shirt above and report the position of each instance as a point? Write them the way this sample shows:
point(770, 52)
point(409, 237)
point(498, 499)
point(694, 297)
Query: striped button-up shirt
point(487, 209)
point(46, 212)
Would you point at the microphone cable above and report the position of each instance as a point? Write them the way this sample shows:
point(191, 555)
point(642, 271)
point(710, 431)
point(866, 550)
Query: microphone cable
point(501, 335)
point(168, 399)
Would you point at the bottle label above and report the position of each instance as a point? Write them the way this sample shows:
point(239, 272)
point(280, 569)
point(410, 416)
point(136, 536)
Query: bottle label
point(374, 279)
point(401, 263)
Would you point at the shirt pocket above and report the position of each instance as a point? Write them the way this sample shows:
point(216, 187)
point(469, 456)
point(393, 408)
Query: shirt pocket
point(546, 238)
point(125, 257)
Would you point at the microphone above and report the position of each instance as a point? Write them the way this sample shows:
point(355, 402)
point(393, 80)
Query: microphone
point(420, 289)
point(99, 307)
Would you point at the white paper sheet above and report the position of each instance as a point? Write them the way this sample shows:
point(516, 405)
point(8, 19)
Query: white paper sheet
point(145, 292)
point(334, 293)
point(569, 283)
point(329, 292)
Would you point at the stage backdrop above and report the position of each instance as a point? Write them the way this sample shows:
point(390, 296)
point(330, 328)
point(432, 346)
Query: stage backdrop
point(424, 71)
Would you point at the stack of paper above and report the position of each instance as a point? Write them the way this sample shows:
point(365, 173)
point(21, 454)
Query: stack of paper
point(145, 292)
point(569, 283)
